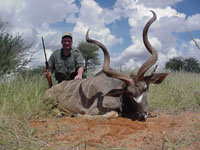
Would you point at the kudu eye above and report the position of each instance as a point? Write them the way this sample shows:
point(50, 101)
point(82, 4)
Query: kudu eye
point(145, 87)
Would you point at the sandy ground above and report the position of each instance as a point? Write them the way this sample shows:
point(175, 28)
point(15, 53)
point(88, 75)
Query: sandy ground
point(162, 132)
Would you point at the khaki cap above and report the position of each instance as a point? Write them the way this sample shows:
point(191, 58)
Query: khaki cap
point(67, 34)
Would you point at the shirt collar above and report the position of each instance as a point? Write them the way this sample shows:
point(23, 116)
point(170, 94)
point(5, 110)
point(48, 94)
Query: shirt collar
point(62, 54)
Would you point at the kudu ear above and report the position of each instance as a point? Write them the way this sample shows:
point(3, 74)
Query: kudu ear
point(115, 92)
point(156, 78)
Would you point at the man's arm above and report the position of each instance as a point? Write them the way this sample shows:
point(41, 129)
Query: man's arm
point(80, 73)
point(51, 66)
point(79, 64)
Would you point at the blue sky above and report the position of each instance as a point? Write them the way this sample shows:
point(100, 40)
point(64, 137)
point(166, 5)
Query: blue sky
point(116, 23)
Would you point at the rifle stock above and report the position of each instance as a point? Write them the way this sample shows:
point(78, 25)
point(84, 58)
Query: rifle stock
point(47, 67)
point(49, 80)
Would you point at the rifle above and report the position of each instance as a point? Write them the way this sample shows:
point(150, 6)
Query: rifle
point(47, 66)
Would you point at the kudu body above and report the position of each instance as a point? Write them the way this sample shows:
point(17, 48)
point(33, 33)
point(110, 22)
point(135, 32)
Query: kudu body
point(109, 90)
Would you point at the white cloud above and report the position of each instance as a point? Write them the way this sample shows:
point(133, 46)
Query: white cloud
point(172, 53)
point(91, 16)
point(136, 53)
point(158, 3)
point(33, 17)
point(38, 12)
point(191, 50)
point(193, 23)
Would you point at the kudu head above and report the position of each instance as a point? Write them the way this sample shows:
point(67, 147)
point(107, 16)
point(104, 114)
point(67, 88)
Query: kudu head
point(135, 86)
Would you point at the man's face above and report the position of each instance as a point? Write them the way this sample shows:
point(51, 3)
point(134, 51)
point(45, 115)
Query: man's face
point(67, 43)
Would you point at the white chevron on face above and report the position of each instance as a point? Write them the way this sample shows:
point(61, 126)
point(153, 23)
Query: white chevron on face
point(139, 99)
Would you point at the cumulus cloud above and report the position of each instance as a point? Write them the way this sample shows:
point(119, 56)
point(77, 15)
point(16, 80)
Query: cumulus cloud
point(38, 12)
point(193, 23)
point(191, 50)
point(136, 53)
point(158, 3)
point(93, 16)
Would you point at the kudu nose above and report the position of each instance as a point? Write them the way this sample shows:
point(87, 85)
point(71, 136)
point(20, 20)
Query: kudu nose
point(142, 116)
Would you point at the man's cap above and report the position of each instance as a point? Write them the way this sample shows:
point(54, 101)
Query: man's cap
point(67, 34)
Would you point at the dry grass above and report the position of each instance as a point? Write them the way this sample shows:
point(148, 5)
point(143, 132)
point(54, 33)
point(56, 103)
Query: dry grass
point(20, 101)
point(178, 93)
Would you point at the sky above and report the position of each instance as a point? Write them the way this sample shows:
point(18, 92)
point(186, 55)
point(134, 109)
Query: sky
point(118, 24)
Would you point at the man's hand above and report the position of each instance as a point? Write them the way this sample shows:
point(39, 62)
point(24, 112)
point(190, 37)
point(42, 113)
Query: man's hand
point(77, 77)
point(80, 74)
point(47, 74)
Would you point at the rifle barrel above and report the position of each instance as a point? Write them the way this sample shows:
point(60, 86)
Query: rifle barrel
point(44, 49)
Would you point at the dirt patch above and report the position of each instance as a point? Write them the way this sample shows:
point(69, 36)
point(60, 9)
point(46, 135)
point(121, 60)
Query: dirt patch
point(159, 133)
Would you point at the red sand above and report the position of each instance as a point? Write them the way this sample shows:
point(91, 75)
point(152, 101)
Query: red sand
point(182, 131)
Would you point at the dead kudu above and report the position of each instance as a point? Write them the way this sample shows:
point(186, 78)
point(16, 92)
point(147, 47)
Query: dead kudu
point(109, 92)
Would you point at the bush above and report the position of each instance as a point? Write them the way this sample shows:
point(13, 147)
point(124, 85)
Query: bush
point(180, 64)
point(13, 51)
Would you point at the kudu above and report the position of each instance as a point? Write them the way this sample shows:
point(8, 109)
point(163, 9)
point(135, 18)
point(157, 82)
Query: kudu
point(109, 92)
